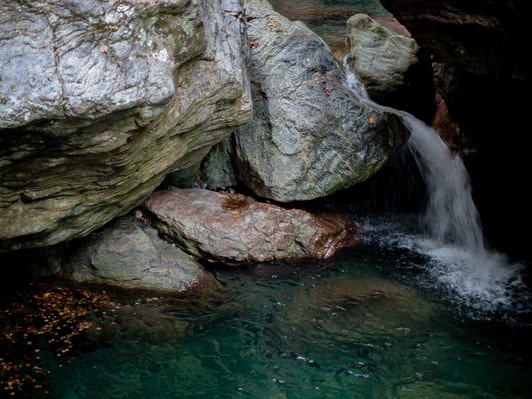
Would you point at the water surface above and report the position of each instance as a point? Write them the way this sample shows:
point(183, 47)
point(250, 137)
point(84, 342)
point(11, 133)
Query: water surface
point(342, 329)
point(328, 18)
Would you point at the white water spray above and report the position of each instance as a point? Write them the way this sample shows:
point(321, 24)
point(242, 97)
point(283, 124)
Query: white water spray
point(452, 237)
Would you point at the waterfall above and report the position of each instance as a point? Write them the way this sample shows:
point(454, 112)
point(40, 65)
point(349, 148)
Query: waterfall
point(451, 215)
point(451, 233)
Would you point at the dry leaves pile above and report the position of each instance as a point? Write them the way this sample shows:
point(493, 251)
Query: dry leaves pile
point(43, 320)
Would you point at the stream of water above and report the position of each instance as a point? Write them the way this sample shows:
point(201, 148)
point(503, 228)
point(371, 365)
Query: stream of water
point(448, 232)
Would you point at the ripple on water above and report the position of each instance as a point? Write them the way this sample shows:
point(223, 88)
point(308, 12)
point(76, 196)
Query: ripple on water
point(323, 329)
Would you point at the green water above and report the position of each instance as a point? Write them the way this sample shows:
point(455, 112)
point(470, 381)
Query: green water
point(328, 17)
point(343, 329)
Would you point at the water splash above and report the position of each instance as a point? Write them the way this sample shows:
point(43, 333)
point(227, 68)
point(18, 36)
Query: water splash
point(450, 233)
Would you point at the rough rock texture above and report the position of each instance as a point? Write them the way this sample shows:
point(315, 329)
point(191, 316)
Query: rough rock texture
point(390, 65)
point(381, 57)
point(233, 227)
point(310, 136)
point(100, 100)
point(129, 254)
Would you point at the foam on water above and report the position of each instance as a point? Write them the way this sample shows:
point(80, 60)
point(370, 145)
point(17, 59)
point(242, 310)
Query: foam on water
point(483, 280)
point(449, 233)
point(482, 284)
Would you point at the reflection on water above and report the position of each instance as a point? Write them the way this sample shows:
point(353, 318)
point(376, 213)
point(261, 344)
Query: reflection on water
point(328, 17)
point(340, 329)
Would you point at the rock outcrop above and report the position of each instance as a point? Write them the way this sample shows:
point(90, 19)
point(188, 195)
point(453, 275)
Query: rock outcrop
point(310, 137)
point(393, 68)
point(101, 100)
point(140, 89)
point(472, 43)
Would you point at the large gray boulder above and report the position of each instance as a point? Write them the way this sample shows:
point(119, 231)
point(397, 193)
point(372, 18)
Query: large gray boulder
point(310, 135)
point(100, 100)
point(129, 254)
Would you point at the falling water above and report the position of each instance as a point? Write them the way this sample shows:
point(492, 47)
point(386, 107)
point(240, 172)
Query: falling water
point(451, 215)
point(451, 236)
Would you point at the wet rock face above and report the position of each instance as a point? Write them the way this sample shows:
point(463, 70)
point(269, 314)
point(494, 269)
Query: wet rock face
point(310, 136)
point(99, 101)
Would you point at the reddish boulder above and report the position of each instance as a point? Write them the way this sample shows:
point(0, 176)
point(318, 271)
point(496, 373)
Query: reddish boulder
point(235, 228)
